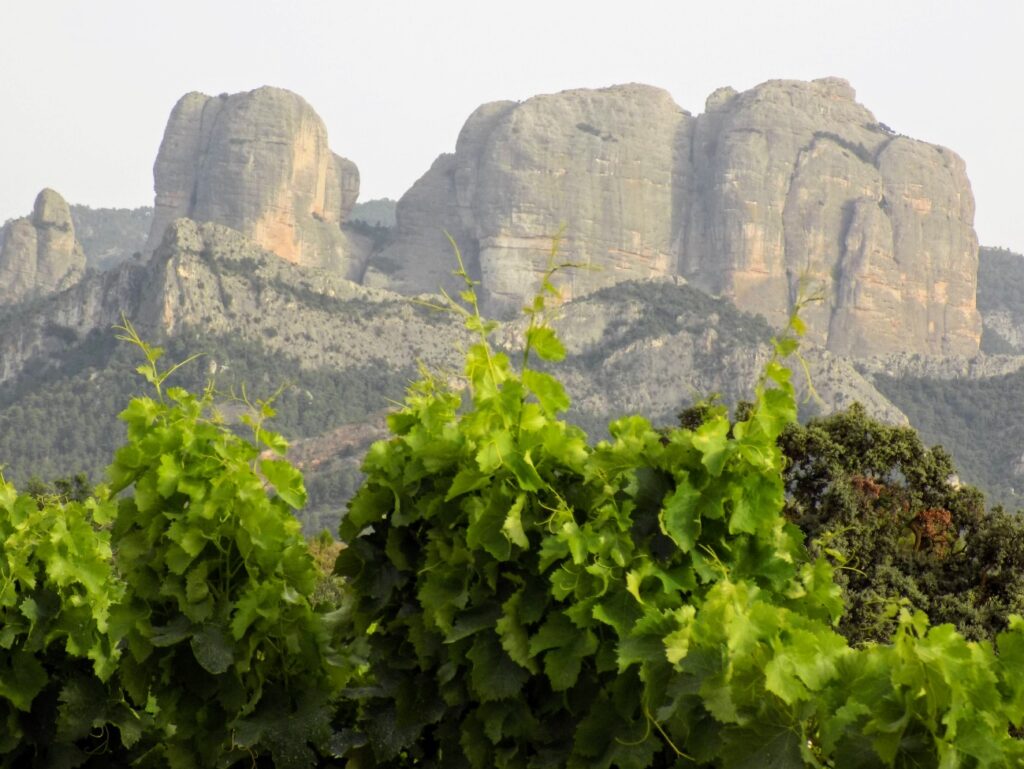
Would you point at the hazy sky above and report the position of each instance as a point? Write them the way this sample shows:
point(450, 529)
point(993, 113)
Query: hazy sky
point(86, 85)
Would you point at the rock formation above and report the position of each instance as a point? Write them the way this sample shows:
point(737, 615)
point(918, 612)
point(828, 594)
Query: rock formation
point(790, 183)
point(39, 254)
point(798, 182)
point(601, 167)
point(210, 278)
point(259, 163)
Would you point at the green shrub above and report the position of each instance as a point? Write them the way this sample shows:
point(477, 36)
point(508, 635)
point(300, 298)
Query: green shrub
point(530, 601)
point(58, 590)
point(197, 644)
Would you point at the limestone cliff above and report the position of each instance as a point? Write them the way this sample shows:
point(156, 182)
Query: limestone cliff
point(258, 162)
point(787, 184)
point(39, 254)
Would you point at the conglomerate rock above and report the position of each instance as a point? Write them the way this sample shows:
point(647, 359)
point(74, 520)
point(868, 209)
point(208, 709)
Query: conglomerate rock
point(39, 253)
point(258, 162)
point(797, 182)
point(600, 168)
point(785, 191)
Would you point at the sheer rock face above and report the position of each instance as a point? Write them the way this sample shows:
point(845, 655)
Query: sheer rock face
point(787, 184)
point(39, 253)
point(796, 182)
point(601, 167)
point(421, 259)
point(259, 163)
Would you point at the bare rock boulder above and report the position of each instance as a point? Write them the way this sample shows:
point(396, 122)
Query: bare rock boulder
point(258, 162)
point(39, 253)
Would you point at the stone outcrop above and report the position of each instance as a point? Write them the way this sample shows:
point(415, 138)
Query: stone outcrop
point(258, 162)
point(39, 254)
point(600, 167)
point(797, 181)
point(787, 185)
point(40, 334)
point(210, 278)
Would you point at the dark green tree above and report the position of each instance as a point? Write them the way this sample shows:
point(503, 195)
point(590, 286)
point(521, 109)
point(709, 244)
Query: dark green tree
point(893, 516)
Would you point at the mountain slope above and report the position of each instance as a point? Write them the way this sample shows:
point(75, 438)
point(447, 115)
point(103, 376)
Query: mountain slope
point(346, 351)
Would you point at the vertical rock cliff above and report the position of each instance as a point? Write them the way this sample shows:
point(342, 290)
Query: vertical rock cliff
point(600, 167)
point(39, 254)
point(258, 162)
point(786, 189)
point(799, 185)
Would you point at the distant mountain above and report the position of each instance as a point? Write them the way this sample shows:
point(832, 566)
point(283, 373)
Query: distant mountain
point(1001, 300)
point(787, 184)
point(693, 238)
point(376, 213)
point(109, 236)
point(346, 351)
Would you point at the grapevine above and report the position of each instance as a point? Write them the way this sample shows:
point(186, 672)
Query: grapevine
point(531, 600)
point(515, 596)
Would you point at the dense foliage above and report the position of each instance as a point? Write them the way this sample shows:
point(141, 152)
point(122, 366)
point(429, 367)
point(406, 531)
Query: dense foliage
point(219, 585)
point(57, 591)
point(198, 644)
point(895, 518)
point(530, 601)
point(516, 597)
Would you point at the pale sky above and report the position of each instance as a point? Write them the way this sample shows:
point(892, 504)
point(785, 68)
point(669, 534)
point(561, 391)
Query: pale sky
point(86, 85)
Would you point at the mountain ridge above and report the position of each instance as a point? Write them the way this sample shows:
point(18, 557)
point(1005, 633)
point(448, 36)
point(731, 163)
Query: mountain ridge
point(654, 319)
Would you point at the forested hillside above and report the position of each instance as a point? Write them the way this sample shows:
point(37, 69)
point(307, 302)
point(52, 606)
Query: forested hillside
point(510, 595)
point(61, 418)
point(980, 421)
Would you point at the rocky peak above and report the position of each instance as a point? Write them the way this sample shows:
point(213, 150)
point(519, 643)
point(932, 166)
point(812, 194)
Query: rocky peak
point(798, 184)
point(39, 253)
point(51, 210)
point(258, 162)
point(603, 163)
point(786, 185)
